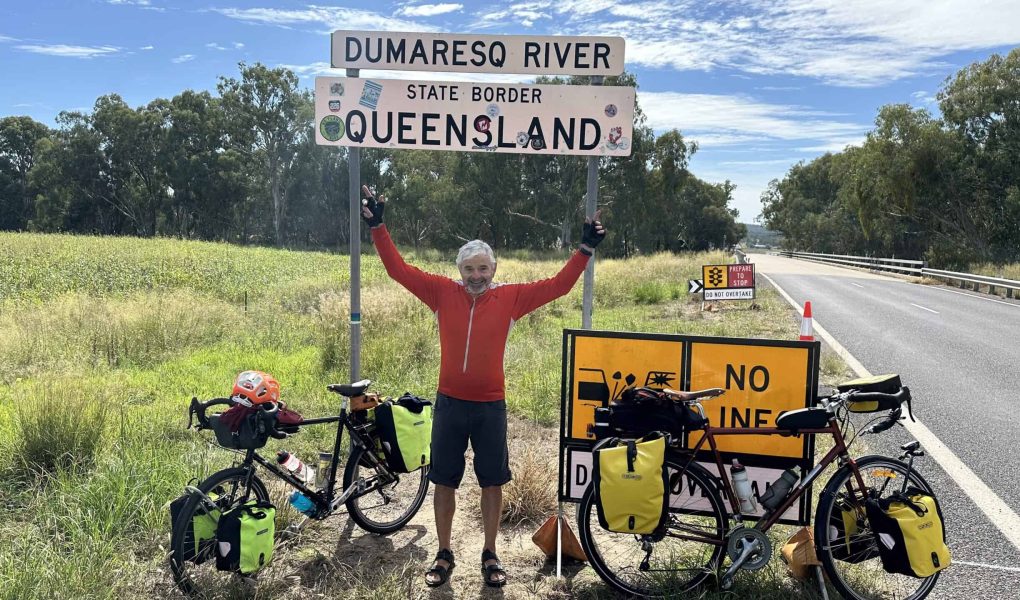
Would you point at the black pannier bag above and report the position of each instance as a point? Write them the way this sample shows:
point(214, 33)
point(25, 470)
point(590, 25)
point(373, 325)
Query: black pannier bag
point(639, 411)
point(909, 532)
point(200, 533)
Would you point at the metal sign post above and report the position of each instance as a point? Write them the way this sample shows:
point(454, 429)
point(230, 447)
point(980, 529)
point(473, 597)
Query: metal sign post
point(354, 190)
point(589, 212)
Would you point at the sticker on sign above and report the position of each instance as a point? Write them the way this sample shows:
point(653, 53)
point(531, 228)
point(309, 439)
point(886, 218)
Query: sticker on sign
point(730, 294)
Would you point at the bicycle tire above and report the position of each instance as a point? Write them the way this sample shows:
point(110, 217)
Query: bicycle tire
point(388, 509)
point(616, 557)
point(859, 574)
point(194, 579)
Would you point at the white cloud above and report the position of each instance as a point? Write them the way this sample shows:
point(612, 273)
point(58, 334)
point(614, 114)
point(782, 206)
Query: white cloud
point(923, 97)
point(147, 48)
point(429, 10)
point(332, 17)
point(238, 45)
point(716, 120)
point(183, 58)
point(843, 42)
point(69, 51)
point(214, 46)
point(4, 38)
point(836, 144)
point(130, 2)
point(519, 13)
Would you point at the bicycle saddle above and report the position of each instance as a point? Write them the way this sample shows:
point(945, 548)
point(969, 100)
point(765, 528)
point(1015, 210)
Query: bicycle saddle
point(803, 418)
point(353, 389)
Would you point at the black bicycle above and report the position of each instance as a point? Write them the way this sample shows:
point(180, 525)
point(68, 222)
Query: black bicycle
point(378, 499)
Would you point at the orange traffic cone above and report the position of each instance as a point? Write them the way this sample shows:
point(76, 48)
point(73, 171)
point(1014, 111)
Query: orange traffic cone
point(805, 324)
point(545, 539)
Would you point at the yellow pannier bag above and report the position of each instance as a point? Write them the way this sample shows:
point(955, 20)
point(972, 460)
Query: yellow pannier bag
point(909, 532)
point(631, 483)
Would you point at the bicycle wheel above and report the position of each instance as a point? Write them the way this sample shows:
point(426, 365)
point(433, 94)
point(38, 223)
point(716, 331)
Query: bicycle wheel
point(675, 563)
point(850, 559)
point(192, 563)
point(392, 498)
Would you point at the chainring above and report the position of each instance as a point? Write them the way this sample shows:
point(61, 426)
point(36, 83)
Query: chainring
point(746, 535)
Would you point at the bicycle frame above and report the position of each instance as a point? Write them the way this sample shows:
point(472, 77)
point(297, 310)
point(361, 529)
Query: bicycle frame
point(839, 451)
point(326, 500)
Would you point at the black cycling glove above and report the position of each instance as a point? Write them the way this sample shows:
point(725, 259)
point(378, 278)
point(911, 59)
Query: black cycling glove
point(376, 208)
point(591, 237)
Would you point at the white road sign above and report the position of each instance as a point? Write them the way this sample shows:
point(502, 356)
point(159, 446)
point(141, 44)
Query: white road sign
point(471, 53)
point(730, 294)
point(479, 117)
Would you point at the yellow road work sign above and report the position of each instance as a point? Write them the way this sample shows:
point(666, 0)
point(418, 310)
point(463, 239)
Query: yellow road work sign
point(760, 382)
point(605, 366)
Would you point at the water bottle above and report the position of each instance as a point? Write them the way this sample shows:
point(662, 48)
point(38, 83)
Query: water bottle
point(325, 461)
point(778, 491)
point(293, 464)
point(742, 487)
point(302, 503)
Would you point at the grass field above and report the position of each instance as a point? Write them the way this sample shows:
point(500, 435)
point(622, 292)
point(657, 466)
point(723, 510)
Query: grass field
point(105, 340)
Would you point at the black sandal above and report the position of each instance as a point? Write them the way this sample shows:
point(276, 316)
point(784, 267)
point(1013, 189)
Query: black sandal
point(442, 572)
point(493, 569)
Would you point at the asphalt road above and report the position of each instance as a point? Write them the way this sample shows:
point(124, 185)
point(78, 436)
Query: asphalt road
point(959, 352)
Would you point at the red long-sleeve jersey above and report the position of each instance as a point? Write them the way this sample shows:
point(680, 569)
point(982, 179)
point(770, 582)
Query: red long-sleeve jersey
point(473, 331)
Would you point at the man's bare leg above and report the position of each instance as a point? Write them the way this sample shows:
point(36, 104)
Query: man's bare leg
point(444, 501)
point(492, 510)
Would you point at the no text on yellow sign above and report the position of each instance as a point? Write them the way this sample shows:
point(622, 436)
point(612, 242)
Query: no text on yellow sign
point(761, 381)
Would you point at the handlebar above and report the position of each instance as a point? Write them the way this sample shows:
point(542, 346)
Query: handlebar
point(197, 409)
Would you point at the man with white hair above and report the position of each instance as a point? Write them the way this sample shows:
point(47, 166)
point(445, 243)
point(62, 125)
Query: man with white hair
point(475, 316)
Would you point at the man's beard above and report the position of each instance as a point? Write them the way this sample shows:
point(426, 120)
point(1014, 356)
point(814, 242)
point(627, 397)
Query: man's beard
point(476, 288)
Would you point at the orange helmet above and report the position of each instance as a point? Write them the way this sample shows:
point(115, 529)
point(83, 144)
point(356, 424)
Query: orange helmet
point(255, 387)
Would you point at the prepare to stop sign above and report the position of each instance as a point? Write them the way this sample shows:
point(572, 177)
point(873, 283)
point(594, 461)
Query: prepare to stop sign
point(728, 282)
point(741, 276)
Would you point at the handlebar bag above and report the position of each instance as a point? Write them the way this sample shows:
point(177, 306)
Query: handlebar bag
point(200, 536)
point(404, 427)
point(909, 532)
point(885, 384)
point(631, 484)
point(242, 427)
point(244, 537)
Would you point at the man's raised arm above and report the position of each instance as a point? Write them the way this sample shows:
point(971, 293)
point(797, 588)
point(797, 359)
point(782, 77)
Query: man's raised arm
point(421, 284)
point(537, 293)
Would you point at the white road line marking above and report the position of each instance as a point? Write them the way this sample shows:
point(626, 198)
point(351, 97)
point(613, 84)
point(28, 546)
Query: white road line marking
point(857, 284)
point(1013, 304)
point(986, 566)
point(997, 511)
point(923, 308)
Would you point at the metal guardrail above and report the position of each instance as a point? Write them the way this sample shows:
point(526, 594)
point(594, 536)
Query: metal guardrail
point(977, 281)
point(914, 267)
point(898, 265)
point(740, 255)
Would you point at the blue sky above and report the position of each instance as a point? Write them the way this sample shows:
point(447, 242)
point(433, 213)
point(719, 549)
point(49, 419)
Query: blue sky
point(760, 85)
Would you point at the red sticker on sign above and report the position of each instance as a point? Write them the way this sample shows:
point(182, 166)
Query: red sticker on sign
point(741, 276)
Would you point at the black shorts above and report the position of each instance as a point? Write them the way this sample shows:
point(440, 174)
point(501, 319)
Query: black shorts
point(454, 423)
